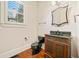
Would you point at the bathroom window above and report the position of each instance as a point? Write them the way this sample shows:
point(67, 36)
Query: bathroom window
point(15, 12)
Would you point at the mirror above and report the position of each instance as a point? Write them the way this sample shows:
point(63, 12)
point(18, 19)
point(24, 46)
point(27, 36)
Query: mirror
point(59, 16)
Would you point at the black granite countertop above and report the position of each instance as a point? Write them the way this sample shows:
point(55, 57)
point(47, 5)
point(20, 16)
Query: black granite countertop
point(69, 37)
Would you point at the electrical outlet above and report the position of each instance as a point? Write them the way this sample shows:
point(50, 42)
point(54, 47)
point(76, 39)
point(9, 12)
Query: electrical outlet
point(25, 38)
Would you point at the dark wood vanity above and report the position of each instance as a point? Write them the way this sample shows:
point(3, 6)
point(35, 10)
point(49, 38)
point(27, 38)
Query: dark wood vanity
point(57, 46)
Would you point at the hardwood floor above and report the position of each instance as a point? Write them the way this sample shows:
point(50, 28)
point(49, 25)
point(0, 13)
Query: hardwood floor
point(28, 54)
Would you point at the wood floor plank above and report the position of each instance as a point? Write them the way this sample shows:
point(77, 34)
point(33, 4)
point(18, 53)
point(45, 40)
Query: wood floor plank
point(28, 54)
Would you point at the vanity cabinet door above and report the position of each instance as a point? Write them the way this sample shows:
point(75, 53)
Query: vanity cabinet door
point(59, 51)
point(48, 46)
point(57, 47)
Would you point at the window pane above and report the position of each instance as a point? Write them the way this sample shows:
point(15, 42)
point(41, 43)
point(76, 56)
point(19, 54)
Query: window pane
point(12, 11)
point(20, 8)
point(19, 18)
point(12, 5)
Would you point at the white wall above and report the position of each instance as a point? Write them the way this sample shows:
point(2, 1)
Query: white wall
point(76, 12)
point(12, 36)
point(45, 20)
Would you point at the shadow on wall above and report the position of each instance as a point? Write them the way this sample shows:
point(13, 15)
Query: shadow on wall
point(74, 49)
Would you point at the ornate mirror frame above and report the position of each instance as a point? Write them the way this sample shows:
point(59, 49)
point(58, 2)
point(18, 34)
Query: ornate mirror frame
point(62, 11)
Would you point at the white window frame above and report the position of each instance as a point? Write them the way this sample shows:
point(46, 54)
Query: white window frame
point(6, 15)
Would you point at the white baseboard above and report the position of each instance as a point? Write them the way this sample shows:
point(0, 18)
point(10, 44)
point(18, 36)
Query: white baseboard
point(14, 51)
